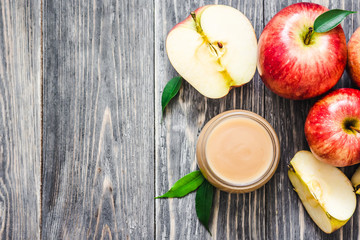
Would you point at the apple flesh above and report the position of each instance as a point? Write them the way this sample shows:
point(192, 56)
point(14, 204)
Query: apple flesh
point(354, 57)
point(214, 49)
point(332, 128)
point(326, 193)
point(295, 62)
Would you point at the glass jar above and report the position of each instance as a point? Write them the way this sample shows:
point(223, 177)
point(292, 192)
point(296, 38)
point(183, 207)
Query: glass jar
point(218, 181)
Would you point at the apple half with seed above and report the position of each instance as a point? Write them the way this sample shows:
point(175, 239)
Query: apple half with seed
point(325, 191)
point(214, 49)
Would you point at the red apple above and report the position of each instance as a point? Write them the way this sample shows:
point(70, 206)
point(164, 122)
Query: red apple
point(295, 62)
point(354, 57)
point(332, 128)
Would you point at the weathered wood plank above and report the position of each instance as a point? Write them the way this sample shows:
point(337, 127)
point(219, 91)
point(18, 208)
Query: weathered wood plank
point(234, 216)
point(285, 216)
point(272, 212)
point(20, 119)
point(98, 120)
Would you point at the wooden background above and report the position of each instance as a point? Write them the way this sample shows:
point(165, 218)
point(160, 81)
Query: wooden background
point(83, 149)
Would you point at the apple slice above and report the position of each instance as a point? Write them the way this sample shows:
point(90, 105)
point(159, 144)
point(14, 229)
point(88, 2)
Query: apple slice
point(214, 49)
point(356, 180)
point(326, 193)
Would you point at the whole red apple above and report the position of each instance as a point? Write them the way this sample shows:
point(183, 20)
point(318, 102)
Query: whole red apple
point(332, 128)
point(295, 62)
point(354, 57)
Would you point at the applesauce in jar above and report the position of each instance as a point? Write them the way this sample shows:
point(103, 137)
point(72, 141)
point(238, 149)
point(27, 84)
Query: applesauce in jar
point(238, 151)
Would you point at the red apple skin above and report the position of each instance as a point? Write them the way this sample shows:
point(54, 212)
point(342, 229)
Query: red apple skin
point(292, 69)
point(324, 128)
point(354, 57)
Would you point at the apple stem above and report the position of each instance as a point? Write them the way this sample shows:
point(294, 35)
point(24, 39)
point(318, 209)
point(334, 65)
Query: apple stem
point(193, 15)
point(355, 129)
point(308, 36)
point(198, 28)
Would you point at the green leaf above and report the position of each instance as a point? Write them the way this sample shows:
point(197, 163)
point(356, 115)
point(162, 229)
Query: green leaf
point(185, 185)
point(170, 91)
point(330, 19)
point(203, 203)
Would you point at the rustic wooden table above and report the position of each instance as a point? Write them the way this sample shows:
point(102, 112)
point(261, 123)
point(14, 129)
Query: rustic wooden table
point(83, 150)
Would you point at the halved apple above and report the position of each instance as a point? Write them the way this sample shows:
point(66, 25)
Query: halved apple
point(355, 179)
point(214, 49)
point(325, 191)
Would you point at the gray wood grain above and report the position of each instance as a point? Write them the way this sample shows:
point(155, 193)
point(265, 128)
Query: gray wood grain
point(98, 120)
point(272, 212)
point(20, 119)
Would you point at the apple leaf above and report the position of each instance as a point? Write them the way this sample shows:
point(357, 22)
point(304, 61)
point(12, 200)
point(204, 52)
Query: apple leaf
point(185, 185)
point(170, 91)
point(203, 203)
point(330, 19)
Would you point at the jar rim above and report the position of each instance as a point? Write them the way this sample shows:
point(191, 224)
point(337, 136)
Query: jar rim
point(264, 177)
